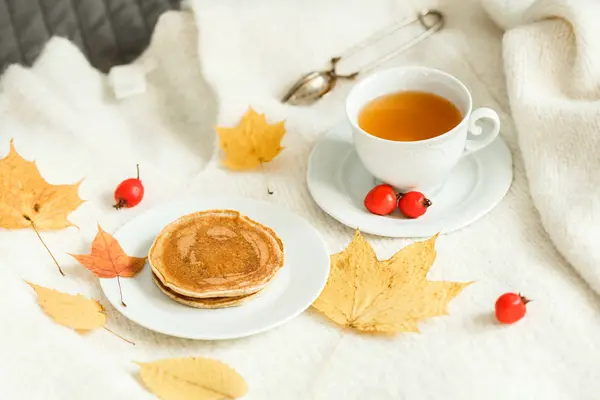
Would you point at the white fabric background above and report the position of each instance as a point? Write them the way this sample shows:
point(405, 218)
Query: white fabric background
point(62, 114)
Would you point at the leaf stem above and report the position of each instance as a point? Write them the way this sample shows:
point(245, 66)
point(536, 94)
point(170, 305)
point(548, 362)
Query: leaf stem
point(121, 292)
point(44, 243)
point(119, 336)
point(262, 168)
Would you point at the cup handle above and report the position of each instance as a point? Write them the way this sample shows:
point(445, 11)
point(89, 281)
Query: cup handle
point(478, 137)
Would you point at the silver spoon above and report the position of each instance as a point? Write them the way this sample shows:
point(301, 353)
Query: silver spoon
point(314, 85)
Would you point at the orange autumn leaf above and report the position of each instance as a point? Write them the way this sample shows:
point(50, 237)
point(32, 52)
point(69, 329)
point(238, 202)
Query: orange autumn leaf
point(108, 260)
point(27, 200)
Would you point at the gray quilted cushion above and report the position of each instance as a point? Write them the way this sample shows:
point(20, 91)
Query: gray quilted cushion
point(109, 32)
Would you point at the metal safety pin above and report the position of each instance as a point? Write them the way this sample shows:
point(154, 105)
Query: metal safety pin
point(314, 85)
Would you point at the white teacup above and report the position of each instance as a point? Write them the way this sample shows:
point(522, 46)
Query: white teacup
point(422, 165)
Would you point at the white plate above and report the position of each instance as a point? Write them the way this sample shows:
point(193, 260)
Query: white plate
point(338, 182)
point(292, 291)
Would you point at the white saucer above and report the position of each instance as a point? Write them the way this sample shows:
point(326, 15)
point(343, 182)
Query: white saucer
point(338, 182)
point(292, 291)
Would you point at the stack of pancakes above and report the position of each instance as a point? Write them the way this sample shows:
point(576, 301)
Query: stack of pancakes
point(215, 259)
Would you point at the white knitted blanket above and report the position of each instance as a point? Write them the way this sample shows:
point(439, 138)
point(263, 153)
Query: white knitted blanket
point(63, 114)
point(552, 66)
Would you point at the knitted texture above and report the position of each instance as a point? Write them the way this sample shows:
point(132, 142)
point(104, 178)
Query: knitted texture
point(62, 113)
point(552, 68)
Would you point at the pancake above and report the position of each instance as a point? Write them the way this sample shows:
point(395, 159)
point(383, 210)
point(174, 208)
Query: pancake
point(216, 253)
point(215, 302)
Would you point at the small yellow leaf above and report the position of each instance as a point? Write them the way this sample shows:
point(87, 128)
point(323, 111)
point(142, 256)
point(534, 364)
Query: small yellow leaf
point(384, 296)
point(26, 198)
point(74, 311)
point(192, 379)
point(252, 142)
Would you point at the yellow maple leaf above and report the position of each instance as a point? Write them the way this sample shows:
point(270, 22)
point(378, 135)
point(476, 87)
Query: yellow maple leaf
point(192, 378)
point(384, 296)
point(26, 198)
point(252, 142)
point(73, 311)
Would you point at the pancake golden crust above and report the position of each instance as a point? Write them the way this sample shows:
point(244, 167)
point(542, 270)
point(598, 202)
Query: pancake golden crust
point(216, 253)
point(215, 302)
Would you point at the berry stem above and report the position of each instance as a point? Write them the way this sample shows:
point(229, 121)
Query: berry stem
point(44, 243)
point(137, 166)
point(427, 202)
point(120, 204)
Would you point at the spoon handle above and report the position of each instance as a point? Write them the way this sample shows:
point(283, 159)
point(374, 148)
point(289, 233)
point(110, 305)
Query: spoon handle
point(431, 20)
point(316, 84)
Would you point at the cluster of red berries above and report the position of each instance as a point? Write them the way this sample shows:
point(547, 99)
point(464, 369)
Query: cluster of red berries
point(383, 200)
